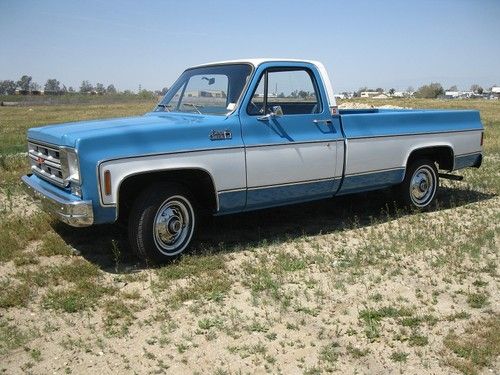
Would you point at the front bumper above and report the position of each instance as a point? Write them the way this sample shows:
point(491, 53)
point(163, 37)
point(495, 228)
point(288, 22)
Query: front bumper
point(77, 213)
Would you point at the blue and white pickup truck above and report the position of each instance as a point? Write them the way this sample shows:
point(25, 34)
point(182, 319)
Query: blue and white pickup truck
point(238, 136)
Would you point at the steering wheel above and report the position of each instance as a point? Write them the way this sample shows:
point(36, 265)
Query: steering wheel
point(257, 109)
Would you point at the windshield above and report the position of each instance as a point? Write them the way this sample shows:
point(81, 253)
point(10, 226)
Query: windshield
point(211, 90)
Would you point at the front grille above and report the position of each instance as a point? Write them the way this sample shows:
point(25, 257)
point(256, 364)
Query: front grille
point(45, 161)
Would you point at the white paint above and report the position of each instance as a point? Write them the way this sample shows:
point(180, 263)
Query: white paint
point(226, 167)
point(368, 154)
point(258, 61)
point(289, 163)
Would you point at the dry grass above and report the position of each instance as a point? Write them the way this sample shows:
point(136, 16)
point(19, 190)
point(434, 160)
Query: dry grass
point(343, 285)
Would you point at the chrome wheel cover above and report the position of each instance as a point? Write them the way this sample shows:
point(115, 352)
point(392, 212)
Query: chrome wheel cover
point(173, 225)
point(423, 186)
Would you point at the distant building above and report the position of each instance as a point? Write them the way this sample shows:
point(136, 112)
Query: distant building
point(451, 94)
point(206, 94)
point(368, 94)
point(398, 94)
point(495, 91)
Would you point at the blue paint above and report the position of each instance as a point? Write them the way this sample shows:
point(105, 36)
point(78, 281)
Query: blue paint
point(273, 196)
point(358, 123)
point(279, 195)
point(53, 189)
point(371, 181)
point(164, 133)
point(153, 133)
point(232, 201)
point(464, 161)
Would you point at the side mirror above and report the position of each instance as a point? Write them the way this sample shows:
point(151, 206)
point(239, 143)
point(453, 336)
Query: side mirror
point(276, 111)
point(210, 81)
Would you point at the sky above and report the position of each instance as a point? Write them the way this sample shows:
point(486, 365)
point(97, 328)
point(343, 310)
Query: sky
point(385, 43)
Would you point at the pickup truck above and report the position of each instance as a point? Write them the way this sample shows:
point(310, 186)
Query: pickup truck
point(237, 136)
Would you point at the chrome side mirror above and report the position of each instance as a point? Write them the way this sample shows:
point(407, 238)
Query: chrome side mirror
point(276, 111)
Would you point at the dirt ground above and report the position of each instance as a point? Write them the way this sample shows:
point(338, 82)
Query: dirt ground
point(304, 316)
point(351, 285)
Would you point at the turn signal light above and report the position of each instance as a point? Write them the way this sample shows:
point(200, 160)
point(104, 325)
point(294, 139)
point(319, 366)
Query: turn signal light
point(107, 182)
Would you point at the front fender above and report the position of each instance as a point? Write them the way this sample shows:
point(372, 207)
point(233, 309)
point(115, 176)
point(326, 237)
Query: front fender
point(225, 167)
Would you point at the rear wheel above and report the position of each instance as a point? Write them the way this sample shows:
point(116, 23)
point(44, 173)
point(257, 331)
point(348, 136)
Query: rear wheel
point(420, 184)
point(162, 222)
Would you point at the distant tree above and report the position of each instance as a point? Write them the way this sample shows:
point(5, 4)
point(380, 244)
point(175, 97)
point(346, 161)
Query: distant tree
point(99, 87)
point(475, 88)
point(35, 86)
point(379, 89)
point(64, 89)
point(128, 92)
point(303, 94)
point(360, 90)
point(392, 91)
point(430, 91)
point(146, 94)
point(25, 83)
point(7, 87)
point(453, 88)
point(111, 89)
point(71, 89)
point(86, 87)
point(52, 85)
point(281, 95)
point(164, 90)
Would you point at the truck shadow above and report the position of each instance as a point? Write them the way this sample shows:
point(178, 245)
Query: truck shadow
point(106, 245)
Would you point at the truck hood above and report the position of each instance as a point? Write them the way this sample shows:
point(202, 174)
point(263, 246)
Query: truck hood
point(69, 134)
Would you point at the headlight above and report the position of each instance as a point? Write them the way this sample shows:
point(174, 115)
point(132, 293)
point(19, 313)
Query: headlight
point(70, 169)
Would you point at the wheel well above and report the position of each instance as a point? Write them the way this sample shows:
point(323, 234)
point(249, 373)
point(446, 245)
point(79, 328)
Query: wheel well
point(442, 155)
point(197, 181)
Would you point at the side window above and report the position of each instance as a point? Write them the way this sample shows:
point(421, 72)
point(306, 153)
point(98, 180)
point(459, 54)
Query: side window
point(255, 105)
point(293, 90)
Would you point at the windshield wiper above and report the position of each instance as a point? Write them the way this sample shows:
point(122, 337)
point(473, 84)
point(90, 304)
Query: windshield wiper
point(195, 106)
point(164, 106)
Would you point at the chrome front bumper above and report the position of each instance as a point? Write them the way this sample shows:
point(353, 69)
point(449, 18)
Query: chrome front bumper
point(76, 213)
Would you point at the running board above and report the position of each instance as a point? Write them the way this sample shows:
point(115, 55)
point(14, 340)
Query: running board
point(449, 176)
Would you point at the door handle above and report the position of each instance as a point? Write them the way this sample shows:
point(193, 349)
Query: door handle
point(322, 121)
point(267, 117)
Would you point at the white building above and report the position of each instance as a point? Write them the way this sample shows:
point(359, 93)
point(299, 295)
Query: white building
point(452, 94)
point(205, 94)
point(398, 94)
point(368, 94)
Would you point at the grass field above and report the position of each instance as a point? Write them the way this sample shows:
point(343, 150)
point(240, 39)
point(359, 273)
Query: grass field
point(348, 285)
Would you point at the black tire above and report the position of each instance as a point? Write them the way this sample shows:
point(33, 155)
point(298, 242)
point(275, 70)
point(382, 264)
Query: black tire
point(162, 222)
point(419, 187)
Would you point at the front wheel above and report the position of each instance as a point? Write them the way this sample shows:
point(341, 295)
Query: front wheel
point(162, 222)
point(420, 184)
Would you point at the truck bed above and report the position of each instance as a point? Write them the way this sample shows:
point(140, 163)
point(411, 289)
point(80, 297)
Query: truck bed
point(380, 141)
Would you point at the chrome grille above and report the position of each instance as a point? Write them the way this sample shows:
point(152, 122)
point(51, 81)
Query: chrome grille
point(45, 161)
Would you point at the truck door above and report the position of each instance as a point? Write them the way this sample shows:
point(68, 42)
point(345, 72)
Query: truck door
point(290, 137)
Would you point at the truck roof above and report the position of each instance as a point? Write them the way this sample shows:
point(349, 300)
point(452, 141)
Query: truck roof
point(258, 61)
